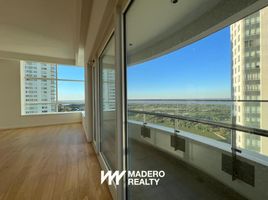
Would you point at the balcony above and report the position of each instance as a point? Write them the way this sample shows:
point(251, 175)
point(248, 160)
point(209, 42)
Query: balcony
point(204, 164)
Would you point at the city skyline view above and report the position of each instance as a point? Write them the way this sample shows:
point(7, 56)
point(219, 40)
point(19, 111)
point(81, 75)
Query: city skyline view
point(134, 100)
point(226, 66)
point(49, 88)
point(183, 90)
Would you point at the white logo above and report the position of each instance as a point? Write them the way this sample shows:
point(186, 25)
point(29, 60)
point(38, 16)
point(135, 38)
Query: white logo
point(150, 177)
point(117, 175)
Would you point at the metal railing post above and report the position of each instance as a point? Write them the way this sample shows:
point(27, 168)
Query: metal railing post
point(144, 115)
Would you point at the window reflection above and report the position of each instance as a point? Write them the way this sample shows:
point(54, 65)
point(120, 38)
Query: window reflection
point(108, 114)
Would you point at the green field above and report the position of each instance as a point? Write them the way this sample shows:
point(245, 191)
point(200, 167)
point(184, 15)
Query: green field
point(212, 112)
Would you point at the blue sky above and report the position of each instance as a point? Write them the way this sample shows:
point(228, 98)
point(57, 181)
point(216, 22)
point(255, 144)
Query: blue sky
point(200, 70)
point(70, 90)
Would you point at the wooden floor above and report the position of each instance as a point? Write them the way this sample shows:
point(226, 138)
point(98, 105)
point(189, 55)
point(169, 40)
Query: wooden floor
point(52, 162)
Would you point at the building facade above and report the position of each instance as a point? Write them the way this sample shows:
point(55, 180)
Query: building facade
point(250, 81)
point(108, 76)
point(40, 87)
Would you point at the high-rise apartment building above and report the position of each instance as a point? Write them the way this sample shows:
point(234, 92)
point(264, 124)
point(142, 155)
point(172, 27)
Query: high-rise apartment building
point(39, 89)
point(108, 89)
point(250, 77)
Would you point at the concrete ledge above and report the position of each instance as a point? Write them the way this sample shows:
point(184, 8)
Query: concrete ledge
point(205, 154)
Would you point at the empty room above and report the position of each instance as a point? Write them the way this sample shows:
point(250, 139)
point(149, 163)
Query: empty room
point(133, 99)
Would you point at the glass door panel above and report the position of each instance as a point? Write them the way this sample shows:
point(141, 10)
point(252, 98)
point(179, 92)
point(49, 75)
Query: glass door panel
point(107, 104)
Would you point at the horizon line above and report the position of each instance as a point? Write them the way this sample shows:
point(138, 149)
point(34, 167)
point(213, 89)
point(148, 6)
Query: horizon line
point(172, 99)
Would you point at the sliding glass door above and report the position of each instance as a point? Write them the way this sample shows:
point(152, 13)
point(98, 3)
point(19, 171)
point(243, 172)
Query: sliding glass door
point(108, 104)
point(197, 99)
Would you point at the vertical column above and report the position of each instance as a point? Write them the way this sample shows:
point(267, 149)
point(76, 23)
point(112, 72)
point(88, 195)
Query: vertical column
point(121, 99)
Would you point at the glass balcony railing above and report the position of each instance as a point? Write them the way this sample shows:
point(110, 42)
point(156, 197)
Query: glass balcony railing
point(197, 99)
point(206, 138)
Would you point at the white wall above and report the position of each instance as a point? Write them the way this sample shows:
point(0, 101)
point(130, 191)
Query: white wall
point(10, 104)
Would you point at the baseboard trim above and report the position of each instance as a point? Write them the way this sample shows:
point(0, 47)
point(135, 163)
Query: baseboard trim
point(36, 126)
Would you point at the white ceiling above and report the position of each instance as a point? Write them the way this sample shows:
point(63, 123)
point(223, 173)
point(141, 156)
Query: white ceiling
point(143, 26)
point(156, 27)
point(96, 20)
point(46, 28)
